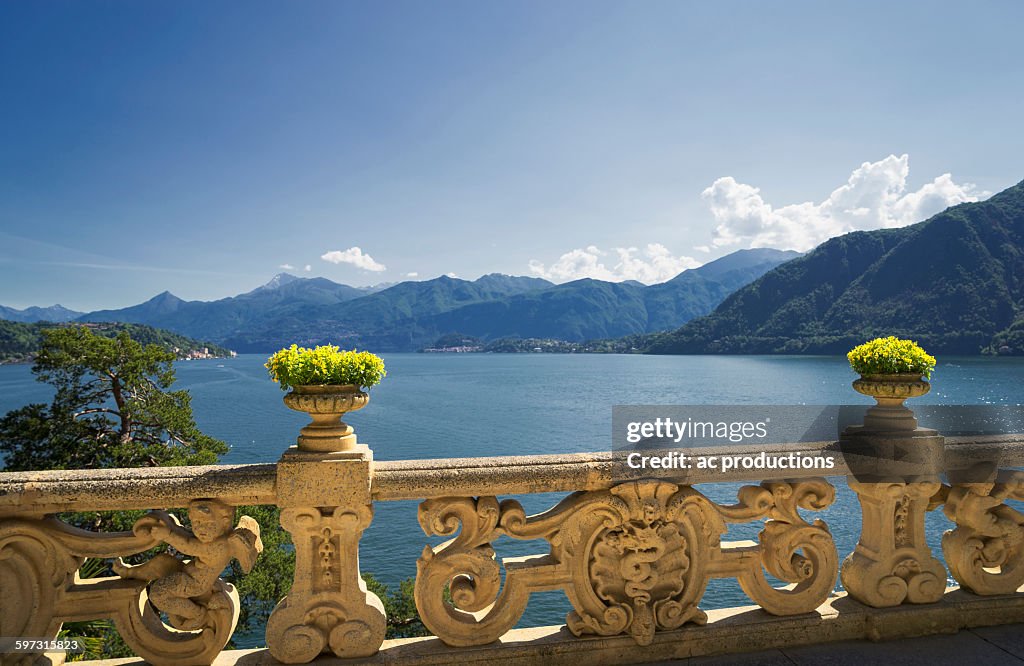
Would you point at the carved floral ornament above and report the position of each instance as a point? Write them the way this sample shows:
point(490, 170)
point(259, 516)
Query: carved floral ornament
point(40, 558)
point(632, 559)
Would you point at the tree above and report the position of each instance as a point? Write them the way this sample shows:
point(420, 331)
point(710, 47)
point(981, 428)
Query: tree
point(113, 407)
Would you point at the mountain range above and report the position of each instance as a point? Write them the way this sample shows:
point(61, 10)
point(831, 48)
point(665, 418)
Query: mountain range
point(410, 315)
point(954, 283)
point(55, 313)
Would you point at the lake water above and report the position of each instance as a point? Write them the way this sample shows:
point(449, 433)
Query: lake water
point(464, 405)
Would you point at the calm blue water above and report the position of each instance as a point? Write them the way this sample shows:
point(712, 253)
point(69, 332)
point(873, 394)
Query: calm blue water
point(435, 406)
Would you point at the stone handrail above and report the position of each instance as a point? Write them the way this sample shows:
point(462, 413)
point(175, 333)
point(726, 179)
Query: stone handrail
point(633, 552)
point(159, 487)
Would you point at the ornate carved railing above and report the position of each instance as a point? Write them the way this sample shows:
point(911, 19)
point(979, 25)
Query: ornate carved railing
point(633, 554)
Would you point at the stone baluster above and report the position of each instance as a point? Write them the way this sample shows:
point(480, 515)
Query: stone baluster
point(895, 466)
point(325, 504)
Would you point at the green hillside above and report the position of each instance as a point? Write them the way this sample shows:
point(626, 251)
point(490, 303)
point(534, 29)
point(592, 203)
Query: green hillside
point(395, 319)
point(593, 309)
point(20, 341)
point(954, 282)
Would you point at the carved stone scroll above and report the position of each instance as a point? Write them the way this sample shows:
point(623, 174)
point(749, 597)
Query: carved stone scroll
point(40, 558)
point(985, 552)
point(791, 549)
point(632, 559)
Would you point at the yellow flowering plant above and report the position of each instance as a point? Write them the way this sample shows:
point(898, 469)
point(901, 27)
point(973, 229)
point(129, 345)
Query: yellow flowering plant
point(324, 365)
point(889, 356)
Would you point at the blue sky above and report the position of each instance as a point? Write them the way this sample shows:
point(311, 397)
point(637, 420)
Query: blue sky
point(198, 147)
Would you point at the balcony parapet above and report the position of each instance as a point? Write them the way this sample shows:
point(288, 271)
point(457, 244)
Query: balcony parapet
point(633, 552)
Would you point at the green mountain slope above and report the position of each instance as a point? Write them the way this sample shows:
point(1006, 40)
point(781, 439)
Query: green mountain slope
point(19, 341)
point(954, 282)
point(410, 315)
point(589, 309)
point(394, 319)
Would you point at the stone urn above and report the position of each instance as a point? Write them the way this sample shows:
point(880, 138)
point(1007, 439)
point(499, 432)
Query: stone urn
point(326, 404)
point(889, 414)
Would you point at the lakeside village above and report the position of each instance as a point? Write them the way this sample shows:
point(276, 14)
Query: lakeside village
point(201, 353)
point(456, 343)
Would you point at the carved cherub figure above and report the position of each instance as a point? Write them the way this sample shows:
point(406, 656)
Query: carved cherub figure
point(184, 589)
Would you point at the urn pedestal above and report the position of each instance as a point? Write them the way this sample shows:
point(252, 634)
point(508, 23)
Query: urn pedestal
point(325, 404)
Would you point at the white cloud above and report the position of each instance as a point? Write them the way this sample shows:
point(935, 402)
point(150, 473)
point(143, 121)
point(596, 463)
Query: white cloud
point(654, 264)
point(308, 268)
point(702, 248)
point(452, 275)
point(874, 197)
point(354, 256)
point(412, 274)
point(287, 267)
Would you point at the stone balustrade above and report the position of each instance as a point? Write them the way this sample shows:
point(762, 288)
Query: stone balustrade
point(633, 554)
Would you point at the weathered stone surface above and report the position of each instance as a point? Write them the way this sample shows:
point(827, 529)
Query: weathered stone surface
point(892, 563)
point(189, 590)
point(326, 404)
point(330, 479)
point(40, 558)
point(633, 554)
point(896, 481)
point(985, 553)
point(889, 392)
point(325, 500)
point(55, 491)
point(139, 488)
point(840, 626)
point(633, 559)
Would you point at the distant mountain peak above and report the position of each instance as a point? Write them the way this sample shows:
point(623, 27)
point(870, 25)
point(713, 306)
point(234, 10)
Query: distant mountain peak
point(506, 279)
point(280, 280)
point(757, 258)
point(164, 302)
